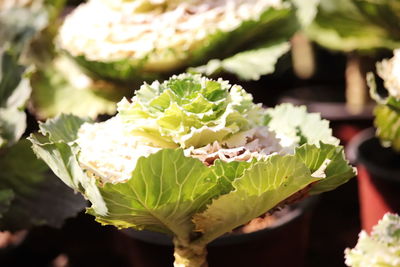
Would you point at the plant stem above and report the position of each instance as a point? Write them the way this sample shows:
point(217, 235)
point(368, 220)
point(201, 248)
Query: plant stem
point(356, 86)
point(303, 57)
point(189, 255)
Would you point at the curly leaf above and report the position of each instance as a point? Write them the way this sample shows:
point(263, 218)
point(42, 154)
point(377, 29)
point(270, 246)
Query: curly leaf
point(337, 172)
point(296, 124)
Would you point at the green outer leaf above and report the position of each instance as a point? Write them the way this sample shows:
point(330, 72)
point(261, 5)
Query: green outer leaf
point(18, 26)
point(247, 65)
point(306, 10)
point(227, 172)
point(337, 172)
point(35, 197)
point(62, 160)
point(125, 70)
point(62, 157)
point(6, 196)
point(387, 122)
point(14, 92)
point(165, 190)
point(53, 93)
point(261, 188)
point(12, 125)
point(384, 13)
point(63, 128)
point(345, 25)
point(294, 122)
point(10, 77)
point(274, 26)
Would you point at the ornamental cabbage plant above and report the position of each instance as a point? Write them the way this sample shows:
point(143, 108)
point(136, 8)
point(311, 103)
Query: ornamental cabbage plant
point(380, 248)
point(138, 40)
point(194, 158)
point(387, 112)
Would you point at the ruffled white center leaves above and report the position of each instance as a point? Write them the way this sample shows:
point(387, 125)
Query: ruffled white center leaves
point(295, 125)
point(380, 248)
point(107, 152)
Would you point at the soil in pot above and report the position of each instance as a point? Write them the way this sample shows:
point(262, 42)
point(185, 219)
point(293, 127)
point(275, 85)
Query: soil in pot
point(282, 243)
point(378, 178)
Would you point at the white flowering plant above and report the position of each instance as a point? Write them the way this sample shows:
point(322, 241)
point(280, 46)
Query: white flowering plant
point(387, 112)
point(194, 158)
point(380, 248)
point(140, 40)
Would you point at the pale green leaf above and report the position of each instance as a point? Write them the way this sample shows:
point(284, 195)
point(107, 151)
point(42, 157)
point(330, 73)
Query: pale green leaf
point(306, 10)
point(248, 65)
point(356, 25)
point(387, 123)
point(189, 110)
point(62, 128)
point(14, 92)
point(6, 196)
point(165, 190)
point(337, 172)
point(262, 187)
point(62, 87)
point(12, 125)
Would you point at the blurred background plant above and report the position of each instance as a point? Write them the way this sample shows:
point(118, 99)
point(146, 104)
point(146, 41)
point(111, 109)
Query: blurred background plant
point(380, 248)
point(366, 30)
point(27, 187)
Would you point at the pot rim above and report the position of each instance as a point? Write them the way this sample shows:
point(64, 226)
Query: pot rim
point(291, 217)
point(355, 155)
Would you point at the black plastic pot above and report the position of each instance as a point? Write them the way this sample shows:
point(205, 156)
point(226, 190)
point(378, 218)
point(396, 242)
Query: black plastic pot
point(283, 244)
point(378, 178)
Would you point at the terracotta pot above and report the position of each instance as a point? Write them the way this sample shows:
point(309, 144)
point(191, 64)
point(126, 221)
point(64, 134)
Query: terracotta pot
point(378, 178)
point(283, 244)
